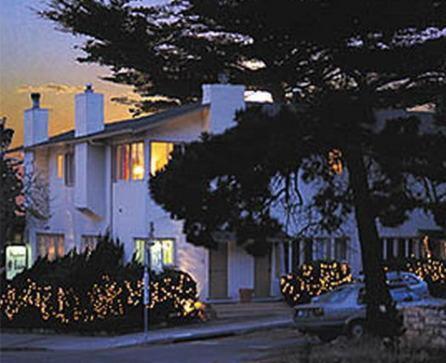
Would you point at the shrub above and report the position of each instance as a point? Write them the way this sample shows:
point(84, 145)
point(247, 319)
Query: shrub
point(94, 291)
point(313, 279)
point(430, 270)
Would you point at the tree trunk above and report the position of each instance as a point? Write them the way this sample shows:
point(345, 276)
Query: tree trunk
point(382, 316)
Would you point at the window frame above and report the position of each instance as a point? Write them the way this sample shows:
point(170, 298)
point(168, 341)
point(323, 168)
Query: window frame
point(176, 144)
point(60, 165)
point(116, 169)
point(174, 252)
point(56, 236)
point(336, 242)
point(69, 169)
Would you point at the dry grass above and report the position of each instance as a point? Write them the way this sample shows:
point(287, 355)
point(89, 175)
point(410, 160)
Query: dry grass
point(367, 350)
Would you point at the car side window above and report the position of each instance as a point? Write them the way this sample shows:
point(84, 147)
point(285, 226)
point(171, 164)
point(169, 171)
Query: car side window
point(401, 295)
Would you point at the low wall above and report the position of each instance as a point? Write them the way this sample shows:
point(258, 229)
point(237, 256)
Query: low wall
point(426, 325)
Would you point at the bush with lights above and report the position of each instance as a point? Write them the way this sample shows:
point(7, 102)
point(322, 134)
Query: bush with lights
point(313, 279)
point(431, 270)
point(95, 291)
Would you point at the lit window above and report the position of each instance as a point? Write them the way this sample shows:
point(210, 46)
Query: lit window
point(137, 161)
point(60, 162)
point(88, 243)
point(160, 153)
point(162, 253)
point(335, 161)
point(50, 246)
point(129, 161)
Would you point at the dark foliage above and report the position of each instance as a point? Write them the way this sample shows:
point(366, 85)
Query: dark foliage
point(313, 279)
point(11, 191)
point(430, 270)
point(337, 62)
point(93, 292)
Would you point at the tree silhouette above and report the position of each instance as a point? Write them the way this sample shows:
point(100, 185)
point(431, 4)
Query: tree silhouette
point(331, 65)
point(11, 188)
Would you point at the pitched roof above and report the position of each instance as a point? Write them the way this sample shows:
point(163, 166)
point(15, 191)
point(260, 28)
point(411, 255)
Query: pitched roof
point(129, 125)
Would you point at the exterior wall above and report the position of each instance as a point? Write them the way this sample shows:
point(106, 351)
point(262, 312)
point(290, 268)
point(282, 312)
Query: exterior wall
point(65, 218)
point(96, 204)
point(89, 195)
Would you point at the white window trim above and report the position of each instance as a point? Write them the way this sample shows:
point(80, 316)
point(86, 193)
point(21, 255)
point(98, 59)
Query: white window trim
point(114, 169)
point(174, 241)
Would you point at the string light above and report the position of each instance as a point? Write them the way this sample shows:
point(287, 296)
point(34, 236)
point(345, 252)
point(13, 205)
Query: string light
point(313, 280)
point(108, 298)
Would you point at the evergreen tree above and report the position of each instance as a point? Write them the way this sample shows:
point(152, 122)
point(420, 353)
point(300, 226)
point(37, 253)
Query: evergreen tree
point(331, 64)
point(11, 188)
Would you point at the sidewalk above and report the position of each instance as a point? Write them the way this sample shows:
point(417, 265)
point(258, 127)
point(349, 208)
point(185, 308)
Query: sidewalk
point(9, 341)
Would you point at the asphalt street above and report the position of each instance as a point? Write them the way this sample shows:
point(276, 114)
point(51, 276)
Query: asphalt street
point(246, 348)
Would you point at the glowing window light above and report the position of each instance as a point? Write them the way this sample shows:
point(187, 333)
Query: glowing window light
point(137, 161)
point(60, 166)
point(160, 153)
point(335, 161)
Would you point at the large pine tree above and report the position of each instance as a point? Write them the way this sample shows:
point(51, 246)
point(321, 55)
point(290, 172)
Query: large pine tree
point(331, 64)
point(11, 191)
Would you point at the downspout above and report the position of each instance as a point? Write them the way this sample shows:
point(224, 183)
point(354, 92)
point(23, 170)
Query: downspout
point(111, 190)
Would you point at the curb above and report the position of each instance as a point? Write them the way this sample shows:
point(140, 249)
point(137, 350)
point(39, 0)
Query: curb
point(169, 338)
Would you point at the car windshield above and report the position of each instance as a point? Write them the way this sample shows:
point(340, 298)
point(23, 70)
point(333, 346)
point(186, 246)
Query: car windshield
point(335, 296)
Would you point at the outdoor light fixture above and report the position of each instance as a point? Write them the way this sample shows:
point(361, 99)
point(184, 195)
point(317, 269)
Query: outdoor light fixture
point(146, 277)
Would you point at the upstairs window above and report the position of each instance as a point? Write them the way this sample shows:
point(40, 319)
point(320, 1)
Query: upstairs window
point(69, 169)
point(335, 161)
point(65, 168)
point(129, 161)
point(160, 154)
point(60, 166)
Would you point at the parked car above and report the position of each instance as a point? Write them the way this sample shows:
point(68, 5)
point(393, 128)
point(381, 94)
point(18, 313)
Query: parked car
point(402, 279)
point(342, 311)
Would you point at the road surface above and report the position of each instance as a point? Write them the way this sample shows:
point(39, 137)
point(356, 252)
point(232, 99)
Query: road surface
point(245, 348)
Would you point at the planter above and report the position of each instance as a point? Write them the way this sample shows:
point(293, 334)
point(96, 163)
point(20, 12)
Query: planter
point(246, 295)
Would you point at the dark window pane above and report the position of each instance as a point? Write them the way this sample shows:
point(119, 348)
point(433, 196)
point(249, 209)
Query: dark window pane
point(401, 247)
point(308, 250)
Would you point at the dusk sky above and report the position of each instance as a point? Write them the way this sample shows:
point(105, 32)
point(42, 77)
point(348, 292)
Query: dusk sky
point(36, 57)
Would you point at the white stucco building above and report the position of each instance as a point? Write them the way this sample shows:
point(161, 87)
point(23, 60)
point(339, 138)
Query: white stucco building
point(97, 177)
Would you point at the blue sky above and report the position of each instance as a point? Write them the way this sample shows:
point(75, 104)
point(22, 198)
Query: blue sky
point(36, 57)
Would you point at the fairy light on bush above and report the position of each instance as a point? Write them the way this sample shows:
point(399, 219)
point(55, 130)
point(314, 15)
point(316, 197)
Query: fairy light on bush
point(313, 280)
point(105, 299)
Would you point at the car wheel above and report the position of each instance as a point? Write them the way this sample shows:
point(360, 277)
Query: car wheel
point(327, 337)
point(356, 329)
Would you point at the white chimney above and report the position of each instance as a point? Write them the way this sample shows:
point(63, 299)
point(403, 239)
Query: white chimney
point(224, 100)
point(88, 112)
point(35, 122)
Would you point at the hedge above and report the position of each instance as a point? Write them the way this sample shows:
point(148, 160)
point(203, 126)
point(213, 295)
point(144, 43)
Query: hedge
point(318, 277)
point(313, 279)
point(431, 270)
point(94, 291)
